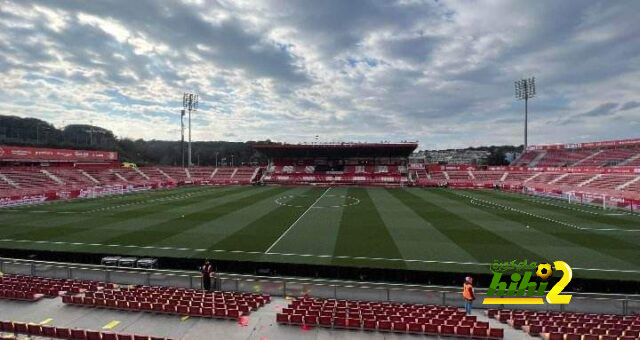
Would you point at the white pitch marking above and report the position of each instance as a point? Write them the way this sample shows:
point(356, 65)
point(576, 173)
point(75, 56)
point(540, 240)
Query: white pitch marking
point(473, 201)
point(310, 255)
point(296, 221)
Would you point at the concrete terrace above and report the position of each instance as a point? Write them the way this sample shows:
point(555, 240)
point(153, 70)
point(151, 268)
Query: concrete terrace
point(261, 326)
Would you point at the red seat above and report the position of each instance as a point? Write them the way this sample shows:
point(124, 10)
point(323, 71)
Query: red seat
point(496, 333)
point(33, 329)
point(195, 311)
point(384, 325)
point(49, 331)
point(233, 313)
point(340, 322)
point(354, 323)
point(124, 337)
point(370, 324)
point(140, 337)
point(220, 312)
point(399, 326)
point(296, 319)
point(415, 327)
point(78, 334)
point(311, 320)
point(555, 336)
point(109, 336)
point(447, 330)
point(479, 332)
point(20, 327)
point(93, 335)
point(430, 329)
point(63, 333)
point(326, 321)
point(463, 331)
point(282, 318)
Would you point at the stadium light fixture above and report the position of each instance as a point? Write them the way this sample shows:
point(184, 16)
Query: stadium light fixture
point(182, 135)
point(189, 103)
point(525, 90)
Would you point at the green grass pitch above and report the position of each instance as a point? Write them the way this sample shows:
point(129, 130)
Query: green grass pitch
point(405, 228)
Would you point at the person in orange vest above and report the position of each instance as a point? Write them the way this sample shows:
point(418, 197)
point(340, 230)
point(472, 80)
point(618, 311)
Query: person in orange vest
point(467, 294)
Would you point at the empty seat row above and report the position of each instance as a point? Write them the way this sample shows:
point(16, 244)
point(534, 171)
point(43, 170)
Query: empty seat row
point(481, 331)
point(572, 326)
point(67, 333)
point(11, 294)
point(169, 308)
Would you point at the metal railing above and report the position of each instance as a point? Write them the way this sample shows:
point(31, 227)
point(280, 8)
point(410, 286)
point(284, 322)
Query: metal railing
point(292, 286)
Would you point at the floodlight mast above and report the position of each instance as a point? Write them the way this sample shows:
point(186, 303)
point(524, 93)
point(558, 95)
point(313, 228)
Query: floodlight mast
point(525, 89)
point(182, 135)
point(189, 103)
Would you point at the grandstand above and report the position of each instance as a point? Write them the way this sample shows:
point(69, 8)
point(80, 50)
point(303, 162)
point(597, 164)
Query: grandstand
point(337, 164)
point(317, 210)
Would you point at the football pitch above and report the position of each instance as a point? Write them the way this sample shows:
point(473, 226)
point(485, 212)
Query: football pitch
point(444, 230)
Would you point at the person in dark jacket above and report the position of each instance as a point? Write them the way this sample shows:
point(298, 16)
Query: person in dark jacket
point(207, 273)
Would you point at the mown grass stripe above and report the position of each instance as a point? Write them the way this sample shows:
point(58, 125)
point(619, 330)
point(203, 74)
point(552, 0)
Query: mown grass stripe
point(363, 233)
point(88, 222)
point(569, 211)
point(260, 234)
point(483, 244)
point(155, 233)
point(599, 242)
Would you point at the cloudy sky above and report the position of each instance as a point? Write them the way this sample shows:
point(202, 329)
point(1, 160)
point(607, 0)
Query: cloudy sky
point(440, 72)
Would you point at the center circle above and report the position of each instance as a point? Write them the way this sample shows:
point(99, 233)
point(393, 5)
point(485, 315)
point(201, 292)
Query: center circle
point(288, 201)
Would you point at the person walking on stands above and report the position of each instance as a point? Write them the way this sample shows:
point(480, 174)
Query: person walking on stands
point(467, 294)
point(207, 271)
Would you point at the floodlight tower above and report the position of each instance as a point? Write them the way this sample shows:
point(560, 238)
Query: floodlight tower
point(525, 89)
point(189, 103)
point(182, 135)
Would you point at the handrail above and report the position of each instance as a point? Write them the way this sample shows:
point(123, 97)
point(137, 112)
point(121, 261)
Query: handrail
point(293, 280)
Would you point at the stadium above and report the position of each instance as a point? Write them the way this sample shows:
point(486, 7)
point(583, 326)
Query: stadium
point(138, 232)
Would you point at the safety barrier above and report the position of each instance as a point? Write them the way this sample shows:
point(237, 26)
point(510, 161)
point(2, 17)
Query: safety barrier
point(293, 286)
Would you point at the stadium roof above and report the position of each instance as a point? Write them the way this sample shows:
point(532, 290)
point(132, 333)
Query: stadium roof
point(337, 150)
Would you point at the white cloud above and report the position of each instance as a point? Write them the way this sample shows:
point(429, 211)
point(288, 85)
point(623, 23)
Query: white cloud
point(440, 72)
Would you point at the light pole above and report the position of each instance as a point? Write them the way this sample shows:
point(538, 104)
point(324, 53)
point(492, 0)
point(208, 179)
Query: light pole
point(525, 89)
point(182, 135)
point(189, 103)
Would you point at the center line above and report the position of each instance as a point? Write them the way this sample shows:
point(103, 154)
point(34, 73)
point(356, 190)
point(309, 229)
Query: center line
point(296, 221)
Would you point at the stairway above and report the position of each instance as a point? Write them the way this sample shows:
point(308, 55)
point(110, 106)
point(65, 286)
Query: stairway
point(255, 174)
point(8, 180)
point(119, 176)
point(52, 177)
point(630, 159)
point(624, 185)
point(504, 176)
point(165, 174)
point(558, 178)
point(141, 173)
point(537, 159)
point(532, 177)
point(587, 158)
point(87, 175)
point(589, 180)
point(215, 171)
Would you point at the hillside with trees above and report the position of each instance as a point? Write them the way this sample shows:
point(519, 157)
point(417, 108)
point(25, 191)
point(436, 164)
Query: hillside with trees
point(35, 132)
